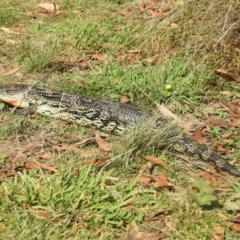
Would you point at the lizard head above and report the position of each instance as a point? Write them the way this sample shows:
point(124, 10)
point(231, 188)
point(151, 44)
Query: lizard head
point(15, 95)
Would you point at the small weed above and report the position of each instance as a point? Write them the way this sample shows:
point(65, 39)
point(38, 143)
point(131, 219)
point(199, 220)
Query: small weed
point(216, 132)
point(221, 113)
point(205, 193)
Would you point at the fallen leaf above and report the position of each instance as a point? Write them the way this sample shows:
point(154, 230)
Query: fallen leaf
point(174, 26)
point(9, 31)
point(102, 143)
point(134, 51)
point(235, 227)
point(142, 6)
point(132, 59)
point(83, 64)
point(218, 122)
point(167, 113)
point(223, 73)
point(161, 181)
point(31, 165)
point(234, 108)
point(46, 156)
point(236, 101)
point(155, 160)
point(218, 233)
point(12, 71)
point(160, 60)
point(8, 173)
point(192, 174)
point(155, 14)
point(221, 149)
point(153, 3)
point(126, 13)
point(233, 124)
point(165, 7)
point(85, 141)
point(222, 216)
point(98, 162)
point(129, 207)
point(237, 49)
point(29, 14)
point(49, 7)
point(39, 213)
point(144, 179)
point(125, 99)
point(98, 56)
point(151, 236)
point(11, 42)
point(197, 135)
point(119, 28)
point(211, 178)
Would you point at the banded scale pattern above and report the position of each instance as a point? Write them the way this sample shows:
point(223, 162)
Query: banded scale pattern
point(105, 115)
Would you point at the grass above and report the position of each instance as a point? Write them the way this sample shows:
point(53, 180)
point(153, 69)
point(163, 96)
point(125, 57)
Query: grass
point(110, 49)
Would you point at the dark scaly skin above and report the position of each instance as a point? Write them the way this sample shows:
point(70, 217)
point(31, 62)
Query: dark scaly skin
point(186, 144)
point(101, 114)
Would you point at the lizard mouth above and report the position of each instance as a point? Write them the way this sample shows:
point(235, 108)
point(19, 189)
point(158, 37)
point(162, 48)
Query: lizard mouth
point(15, 102)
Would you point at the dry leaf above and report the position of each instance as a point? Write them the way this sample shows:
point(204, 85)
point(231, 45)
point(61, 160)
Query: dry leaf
point(85, 141)
point(151, 236)
point(134, 51)
point(161, 181)
point(142, 6)
point(98, 56)
point(237, 49)
point(12, 71)
point(31, 165)
point(7, 174)
point(218, 122)
point(165, 7)
point(9, 31)
point(211, 178)
point(221, 149)
point(222, 216)
point(218, 233)
point(235, 223)
point(167, 113)
point(98, 162)
point(39, 213)
point(235, 227)
point(197, 135)
point(234, 108)
point(102, 143)
point(233, 124)
point(144, 179)
point(11, 42)
point(125, 99)
point(29, 14)
point(49, 7)
point(173, 26)
point(155, 160)
point(83, 64)
point(46, 156)
point(225, 74)
point(155, 14)
point(126, 13)
point(153, 3)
